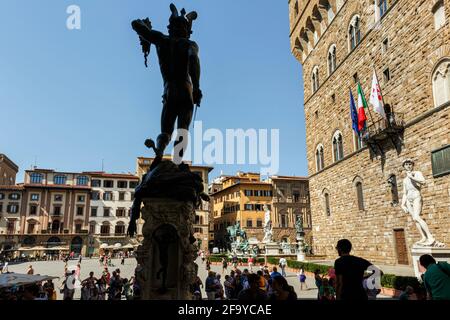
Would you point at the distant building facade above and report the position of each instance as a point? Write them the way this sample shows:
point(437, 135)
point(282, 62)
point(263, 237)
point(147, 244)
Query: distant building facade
point(55, 210)
point(11, 203)
point(241, 198)
point(111, 199)
point(8, 171)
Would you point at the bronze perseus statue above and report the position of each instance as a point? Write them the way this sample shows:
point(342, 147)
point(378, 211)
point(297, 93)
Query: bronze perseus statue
point(180, 69)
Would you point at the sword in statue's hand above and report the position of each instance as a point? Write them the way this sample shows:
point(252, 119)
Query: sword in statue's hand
point(195, 114)
point(197, 99)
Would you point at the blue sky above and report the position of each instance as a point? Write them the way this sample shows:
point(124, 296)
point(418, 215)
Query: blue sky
point(70, 98)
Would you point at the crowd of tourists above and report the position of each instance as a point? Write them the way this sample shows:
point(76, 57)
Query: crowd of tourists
point(245, 285)
point(351, 278)
point(107, 286)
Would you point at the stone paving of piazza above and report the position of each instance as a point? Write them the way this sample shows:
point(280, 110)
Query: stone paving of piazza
point(56, 268)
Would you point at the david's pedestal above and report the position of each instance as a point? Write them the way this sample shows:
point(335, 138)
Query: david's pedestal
point(166, 258)
point(439, 254)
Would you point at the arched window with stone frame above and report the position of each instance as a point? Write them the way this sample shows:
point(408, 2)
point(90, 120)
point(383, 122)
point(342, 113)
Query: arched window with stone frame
point(325, 4)
point(441, 82)
point(331, 59)
point(438, 11)
point(358, 185)
point(354, 32)
point(326, 202)
point(296, 11)
point(383, 6)
point(315, 79)
point(300, 49)
point(338, 146)
point(320, 163)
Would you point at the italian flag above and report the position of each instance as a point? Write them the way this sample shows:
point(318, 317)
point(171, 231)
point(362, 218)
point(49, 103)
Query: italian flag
point(362, 105)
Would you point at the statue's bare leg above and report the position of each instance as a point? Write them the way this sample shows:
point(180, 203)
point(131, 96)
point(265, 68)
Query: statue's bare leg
point(168, 118)
point(413, 209)
point(184, 120)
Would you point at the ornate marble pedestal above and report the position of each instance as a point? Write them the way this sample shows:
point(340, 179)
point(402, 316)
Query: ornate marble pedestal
point(439, 254)
point(166, 266)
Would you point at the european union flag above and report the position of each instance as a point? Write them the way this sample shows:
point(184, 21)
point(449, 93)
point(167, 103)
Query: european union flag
point(354, 114)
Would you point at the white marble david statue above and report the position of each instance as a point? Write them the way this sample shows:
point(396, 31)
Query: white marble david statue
point(412, 203)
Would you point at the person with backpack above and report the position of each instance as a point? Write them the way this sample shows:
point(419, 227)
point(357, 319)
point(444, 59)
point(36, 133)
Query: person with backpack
point(210, 285)
point(436, 278)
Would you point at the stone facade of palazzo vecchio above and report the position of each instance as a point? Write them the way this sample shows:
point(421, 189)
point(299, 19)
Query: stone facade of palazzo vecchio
point(356, 184)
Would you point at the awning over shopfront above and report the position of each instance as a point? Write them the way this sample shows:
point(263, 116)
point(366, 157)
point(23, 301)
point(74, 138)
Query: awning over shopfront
point(59, 248)
point(16, 279)
point(37, 248)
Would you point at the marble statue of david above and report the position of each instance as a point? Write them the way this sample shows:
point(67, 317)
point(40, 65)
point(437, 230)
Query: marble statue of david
point(412, 203)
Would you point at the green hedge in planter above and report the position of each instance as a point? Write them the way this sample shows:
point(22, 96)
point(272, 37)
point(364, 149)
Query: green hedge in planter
point(219, 257)
point(399, 282)
point(306, 266)
point(387, 280)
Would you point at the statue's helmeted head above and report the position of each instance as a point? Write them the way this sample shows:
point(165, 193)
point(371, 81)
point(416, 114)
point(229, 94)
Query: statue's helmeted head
point(180, 24)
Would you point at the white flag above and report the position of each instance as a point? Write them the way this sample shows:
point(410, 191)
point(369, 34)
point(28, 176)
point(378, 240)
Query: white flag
point(376, 100)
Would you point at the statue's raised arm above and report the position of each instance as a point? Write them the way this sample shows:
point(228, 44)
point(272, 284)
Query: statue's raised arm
point(144, 30)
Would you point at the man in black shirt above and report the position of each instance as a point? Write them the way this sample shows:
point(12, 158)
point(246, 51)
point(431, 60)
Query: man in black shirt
point(349, 273)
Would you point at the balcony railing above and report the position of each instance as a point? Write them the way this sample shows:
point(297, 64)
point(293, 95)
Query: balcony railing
point(384, 128)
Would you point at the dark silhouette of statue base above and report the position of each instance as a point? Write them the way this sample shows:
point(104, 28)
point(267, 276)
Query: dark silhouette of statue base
point(169, 192)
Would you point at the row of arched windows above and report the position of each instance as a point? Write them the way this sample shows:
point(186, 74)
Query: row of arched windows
point(358, 193)
point(441, 93)
point(354, 36)
point(337, 147)
point(323, 14)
